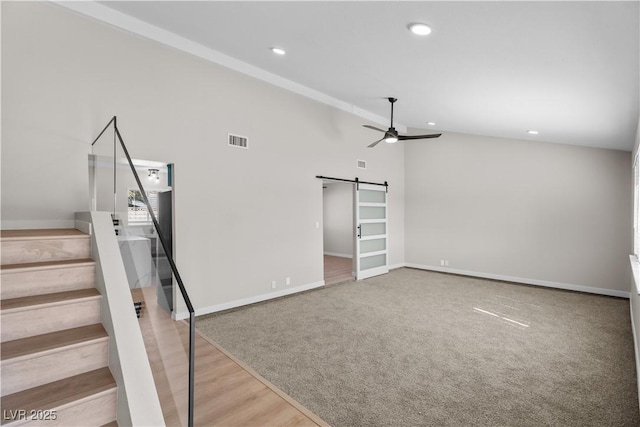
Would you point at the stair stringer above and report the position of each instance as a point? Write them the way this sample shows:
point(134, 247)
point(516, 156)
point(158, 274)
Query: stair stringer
point(138, 402)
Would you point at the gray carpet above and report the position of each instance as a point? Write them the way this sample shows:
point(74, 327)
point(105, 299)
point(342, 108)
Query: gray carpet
point(417, 348)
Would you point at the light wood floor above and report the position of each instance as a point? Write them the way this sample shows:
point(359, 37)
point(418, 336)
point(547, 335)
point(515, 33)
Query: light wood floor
point(337, 269)
point(227, 392)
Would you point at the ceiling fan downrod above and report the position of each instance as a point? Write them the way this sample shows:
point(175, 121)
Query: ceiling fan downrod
point(392, 100)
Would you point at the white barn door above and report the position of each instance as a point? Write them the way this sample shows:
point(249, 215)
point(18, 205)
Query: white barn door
point(371, 246)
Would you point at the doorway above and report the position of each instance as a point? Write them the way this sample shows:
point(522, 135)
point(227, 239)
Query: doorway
point(338, 231)
point(355, 229)
point(114, 188)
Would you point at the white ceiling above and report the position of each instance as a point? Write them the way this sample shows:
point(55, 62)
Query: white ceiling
point(567, 69)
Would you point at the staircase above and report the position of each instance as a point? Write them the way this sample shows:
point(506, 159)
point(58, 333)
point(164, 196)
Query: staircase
point(54, 351)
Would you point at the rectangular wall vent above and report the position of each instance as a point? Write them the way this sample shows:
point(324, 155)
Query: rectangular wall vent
point(238, 141)
point(362, 164)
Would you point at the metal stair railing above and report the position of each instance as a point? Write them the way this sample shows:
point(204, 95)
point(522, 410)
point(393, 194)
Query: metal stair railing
point(165, 247)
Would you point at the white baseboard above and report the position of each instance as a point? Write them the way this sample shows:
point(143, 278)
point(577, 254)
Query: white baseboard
point(545, 283)
point(246, 301)
point(339, 255)
point(289, 291)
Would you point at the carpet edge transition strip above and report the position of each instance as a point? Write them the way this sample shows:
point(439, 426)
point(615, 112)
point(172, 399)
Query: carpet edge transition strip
point(313, 417)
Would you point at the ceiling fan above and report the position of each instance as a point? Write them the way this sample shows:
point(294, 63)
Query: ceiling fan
point(391, 134)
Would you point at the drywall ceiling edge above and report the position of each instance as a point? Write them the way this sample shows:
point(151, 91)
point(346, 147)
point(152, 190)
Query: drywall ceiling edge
point(152, 32)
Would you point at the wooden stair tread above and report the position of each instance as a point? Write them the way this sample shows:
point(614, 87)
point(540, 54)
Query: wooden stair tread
point(61, 392)
point(44, 265)
point(48, 299)
point(51, 341)
point(44, 233)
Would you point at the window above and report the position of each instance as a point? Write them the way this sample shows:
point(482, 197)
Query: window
point(137, 212)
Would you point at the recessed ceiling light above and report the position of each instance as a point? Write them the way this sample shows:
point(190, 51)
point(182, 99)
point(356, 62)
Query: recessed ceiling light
point(431, 123)
point(278, 51)
point(420, 29)
point(533, 132)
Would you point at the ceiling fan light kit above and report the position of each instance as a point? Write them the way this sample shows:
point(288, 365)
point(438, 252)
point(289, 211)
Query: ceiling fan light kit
point(391, 135)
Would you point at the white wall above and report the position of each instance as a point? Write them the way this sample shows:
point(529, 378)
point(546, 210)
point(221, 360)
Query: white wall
point(337, 210)
point(535, 211)
point(243, 217)
point(545, 213)
point(634, 300)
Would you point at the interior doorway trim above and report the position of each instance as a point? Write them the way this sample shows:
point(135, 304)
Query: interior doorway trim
point(370, 227)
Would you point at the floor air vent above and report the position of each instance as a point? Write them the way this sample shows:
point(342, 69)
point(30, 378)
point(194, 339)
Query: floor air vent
point(238, 141)
point(362, 164)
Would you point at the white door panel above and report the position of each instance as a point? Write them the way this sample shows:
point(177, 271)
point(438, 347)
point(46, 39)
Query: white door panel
point(371, 240)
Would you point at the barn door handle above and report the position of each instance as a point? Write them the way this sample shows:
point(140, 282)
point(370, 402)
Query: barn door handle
point(359, 232)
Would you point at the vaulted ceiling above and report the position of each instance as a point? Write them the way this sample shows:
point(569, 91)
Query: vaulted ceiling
point(569, 70)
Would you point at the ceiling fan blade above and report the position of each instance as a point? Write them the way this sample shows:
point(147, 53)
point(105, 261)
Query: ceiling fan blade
point(407, 137)
point(374, 128)
point(377, 142)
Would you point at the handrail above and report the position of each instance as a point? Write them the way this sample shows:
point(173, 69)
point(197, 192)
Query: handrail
point(105, 128)
point(172, 264)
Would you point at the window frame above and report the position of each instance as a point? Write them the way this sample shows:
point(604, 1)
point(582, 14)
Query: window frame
point(135, 222)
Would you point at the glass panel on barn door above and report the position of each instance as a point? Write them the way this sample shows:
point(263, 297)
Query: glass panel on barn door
point(371, 217)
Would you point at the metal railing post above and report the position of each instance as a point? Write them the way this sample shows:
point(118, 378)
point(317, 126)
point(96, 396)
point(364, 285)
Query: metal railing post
point(192, 365)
